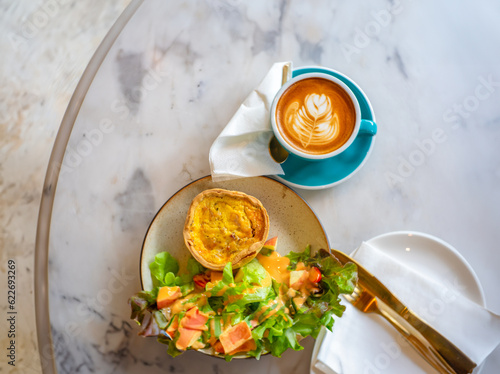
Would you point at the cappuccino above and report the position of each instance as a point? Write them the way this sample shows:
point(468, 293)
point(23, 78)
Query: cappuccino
point(315, 116)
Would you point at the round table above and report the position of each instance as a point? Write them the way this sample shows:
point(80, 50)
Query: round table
point(166, 80)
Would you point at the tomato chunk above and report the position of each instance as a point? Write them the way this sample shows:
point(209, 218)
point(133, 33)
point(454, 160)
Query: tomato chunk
point(201, 280)
point(314, 275)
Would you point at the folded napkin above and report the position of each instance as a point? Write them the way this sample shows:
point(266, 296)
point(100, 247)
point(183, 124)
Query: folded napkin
point(242, 148)
point(367, 343)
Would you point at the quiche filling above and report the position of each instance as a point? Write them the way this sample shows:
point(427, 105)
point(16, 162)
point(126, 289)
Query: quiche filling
point(225, 226)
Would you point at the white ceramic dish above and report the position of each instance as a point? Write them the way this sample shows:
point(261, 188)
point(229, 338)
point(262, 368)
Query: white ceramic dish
point(431, 257)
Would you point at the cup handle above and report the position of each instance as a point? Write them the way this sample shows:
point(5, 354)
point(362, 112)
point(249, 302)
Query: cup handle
point(367, 127)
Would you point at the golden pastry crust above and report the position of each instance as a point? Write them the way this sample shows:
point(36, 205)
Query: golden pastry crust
point(225, 226)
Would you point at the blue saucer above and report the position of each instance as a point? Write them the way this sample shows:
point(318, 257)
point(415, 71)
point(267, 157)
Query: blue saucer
point(313, 175)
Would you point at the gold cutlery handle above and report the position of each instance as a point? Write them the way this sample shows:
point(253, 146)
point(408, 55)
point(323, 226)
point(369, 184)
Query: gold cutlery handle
point(447, 350)
point(419, 342)
point(429, 342)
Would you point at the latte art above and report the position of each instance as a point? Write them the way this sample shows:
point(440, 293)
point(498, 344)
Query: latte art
point(315, 116)
point(314, 122)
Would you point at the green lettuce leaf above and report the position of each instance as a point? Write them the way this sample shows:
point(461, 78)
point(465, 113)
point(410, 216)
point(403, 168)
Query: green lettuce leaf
point(327, 320)
point(194, 267)
point(227, 274)
point(252, 273)
point(258, 351)
point(172, 349)
point(282, 336)
point(140, 303)
point(160, 319)
point(344, 276)
point(260, 295)
point(216, 302)
point(163, 264)
point(306, 324)
point(299, 257)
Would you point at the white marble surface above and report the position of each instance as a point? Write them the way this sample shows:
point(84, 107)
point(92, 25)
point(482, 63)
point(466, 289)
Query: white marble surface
point(44, 48)
point(172, 81)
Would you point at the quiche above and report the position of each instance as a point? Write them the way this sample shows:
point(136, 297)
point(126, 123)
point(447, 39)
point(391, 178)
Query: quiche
point(225, 226)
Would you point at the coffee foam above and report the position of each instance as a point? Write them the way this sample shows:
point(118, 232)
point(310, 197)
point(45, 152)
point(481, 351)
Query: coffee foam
point(315, 116)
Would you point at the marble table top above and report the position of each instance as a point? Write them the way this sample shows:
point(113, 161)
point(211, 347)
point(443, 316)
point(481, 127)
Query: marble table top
point(172, 79)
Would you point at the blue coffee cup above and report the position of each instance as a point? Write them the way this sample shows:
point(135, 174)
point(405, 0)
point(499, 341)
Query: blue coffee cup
point(361, 126)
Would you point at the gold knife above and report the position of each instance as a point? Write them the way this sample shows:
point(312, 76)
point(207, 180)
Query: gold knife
point(435, 348)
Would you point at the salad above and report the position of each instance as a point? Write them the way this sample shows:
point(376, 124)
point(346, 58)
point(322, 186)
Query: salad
point(267, 305)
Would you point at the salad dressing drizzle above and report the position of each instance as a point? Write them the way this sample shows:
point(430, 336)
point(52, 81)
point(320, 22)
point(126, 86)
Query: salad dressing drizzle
point(186, 303)
point(276, 266)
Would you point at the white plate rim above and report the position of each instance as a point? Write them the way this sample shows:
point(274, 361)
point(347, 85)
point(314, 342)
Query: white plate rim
point(452, 251)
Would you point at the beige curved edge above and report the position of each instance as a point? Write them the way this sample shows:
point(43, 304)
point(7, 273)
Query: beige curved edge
point(43, 326)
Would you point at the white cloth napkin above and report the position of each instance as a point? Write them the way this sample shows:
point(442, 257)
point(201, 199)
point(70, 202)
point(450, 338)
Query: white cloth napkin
point(366, 343)
point(242, 148)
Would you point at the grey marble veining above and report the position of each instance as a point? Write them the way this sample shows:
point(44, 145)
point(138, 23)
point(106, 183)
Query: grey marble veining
point(45, 47)
point(174, 78)
point(136, 202)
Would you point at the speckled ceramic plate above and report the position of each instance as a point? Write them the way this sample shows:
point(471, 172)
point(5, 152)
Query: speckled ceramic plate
point(291, 219)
